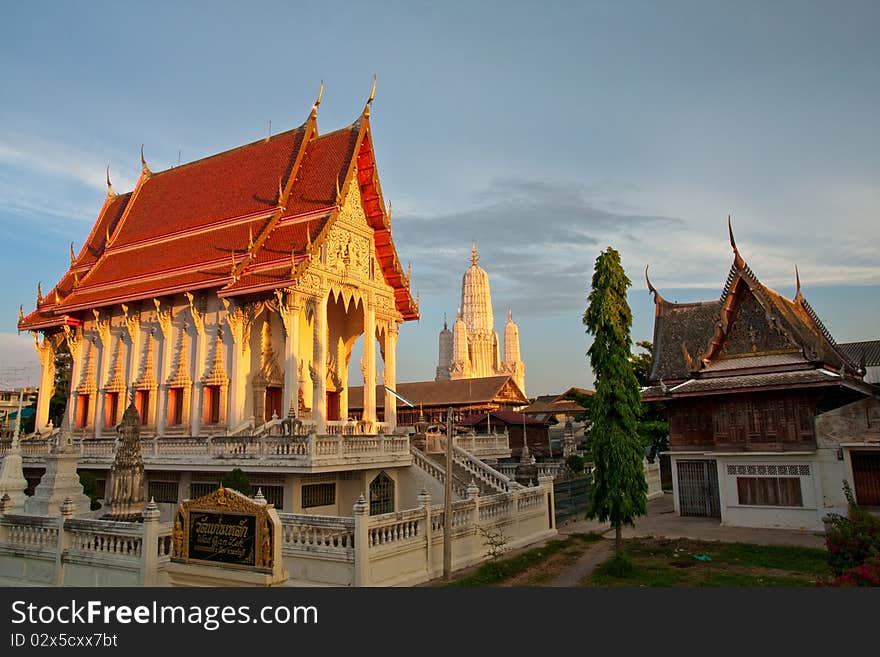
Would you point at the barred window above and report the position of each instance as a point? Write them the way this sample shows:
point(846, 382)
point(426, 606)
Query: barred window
point(318, 495)
point(769, 491)
point(274, 494)
point(200, 489)
point(163, 491)
point(381, 494)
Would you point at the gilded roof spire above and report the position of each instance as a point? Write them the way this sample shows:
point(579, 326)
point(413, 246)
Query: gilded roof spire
point(72, 256)
point(110, 191)
point(371, 98)
point(651, 288)
point(145, 170)
point(21, 313)
point(39, 292)
point(474, 255)
point(797, 295)
point(314, 114)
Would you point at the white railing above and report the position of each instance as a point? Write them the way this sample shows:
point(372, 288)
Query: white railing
point(30, 532)
point(306, 450)
point(122, 540)
point(246, 426)
point(436, 471)
point(307, 533)
point(491, 444)
point(480, 470)
point(406, 548)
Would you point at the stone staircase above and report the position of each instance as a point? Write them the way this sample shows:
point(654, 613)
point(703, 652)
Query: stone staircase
point(462, 477)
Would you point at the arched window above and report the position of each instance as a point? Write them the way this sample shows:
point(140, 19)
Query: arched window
point(381, 494)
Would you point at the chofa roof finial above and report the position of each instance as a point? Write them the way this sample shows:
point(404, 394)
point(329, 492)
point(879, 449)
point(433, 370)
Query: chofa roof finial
point(371, 98)
point(738, 259)
point(797, 277)
point(144, 168)
point(110, 191)
point(72, 256)
point(651, 288)
point(21, 312)
point(318, 101)
point(39, 292)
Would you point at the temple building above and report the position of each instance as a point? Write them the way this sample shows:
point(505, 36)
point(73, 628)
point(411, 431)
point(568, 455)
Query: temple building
point(229, 288)
point(472, 348)
point(767, 414)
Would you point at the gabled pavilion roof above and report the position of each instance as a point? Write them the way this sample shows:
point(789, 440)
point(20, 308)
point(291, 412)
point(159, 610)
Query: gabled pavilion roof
point(245, 220)
point(750, 330)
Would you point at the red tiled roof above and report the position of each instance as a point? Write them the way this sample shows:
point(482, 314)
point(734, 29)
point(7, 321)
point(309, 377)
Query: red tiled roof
point(179, 228)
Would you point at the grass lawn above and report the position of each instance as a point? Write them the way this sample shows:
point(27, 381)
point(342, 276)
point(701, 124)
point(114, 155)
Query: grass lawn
point(531, 568)
point(672, 562)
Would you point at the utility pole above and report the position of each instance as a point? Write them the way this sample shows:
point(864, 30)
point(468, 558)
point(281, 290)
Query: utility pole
point(447, 516)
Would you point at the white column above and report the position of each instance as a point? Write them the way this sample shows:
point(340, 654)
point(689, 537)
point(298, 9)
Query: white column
point(46, 353)
point(75, 346)
point(369, 364)
point(239, 325)
point(289, 310)
point(319, 366)
point(391, 376)
point(105, 352)
point(161, 403)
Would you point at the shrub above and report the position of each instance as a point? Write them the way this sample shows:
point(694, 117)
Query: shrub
point(237, 480)
point(867, 574)
point(89, 483)
point(852, 540)
point(575, 463)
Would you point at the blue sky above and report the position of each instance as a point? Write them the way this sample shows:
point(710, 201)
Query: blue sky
point(545, 131)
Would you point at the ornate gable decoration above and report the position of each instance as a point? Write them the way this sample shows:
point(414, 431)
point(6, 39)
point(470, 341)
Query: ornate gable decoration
point(217, 376)
point(115, 382)
point(86, 384)
point(750, 332)
point(348, 248)
point(147, 378)
point(224, 528)
point(270, 373)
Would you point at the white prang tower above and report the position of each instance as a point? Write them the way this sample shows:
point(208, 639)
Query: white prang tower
point(472, 349)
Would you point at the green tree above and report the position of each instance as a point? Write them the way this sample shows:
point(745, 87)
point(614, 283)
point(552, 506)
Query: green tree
point(237, 480)
point(619, 487)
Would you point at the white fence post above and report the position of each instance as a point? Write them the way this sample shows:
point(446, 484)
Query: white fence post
point(149, 574)
point(424, 499)
point(64, 540)
point(361, 541)
point(546, 482)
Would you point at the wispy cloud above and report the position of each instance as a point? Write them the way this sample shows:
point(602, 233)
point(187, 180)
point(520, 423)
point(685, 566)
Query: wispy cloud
point(18, 361)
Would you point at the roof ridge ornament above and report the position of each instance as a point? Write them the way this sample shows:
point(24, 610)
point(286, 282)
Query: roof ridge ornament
point(39, 292)
point(737, 258)
point(314, 113)
point(110, 191)
point(281, 193)
point(797, 277)
point(72, 256)
point(145, 170)
point(651, 288)
point(371, 98)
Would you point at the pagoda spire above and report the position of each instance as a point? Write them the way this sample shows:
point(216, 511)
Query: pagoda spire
point(474, 255)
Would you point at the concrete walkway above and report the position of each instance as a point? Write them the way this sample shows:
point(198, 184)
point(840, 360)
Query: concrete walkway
point(662, 521)
point(596, 553)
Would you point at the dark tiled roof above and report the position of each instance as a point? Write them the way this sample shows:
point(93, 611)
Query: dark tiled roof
point(688, 324)
point(724, 383)
point(440, 393)
point(506, 417)
point(867, 349)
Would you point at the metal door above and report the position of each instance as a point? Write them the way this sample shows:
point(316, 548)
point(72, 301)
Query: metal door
point(698, 489)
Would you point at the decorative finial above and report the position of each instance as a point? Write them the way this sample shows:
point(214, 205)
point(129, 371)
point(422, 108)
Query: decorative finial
point(389, 210)
point(21, 313)
point(737, 257)
point(651, 288)
point(408, 271)
point(474, 255)
point(797, 277)
point(371, 98)
point(106, 236)
point(39, 292)
point(250, 238)
point(72, 256)
point(144, 168)
point(318, 100)
point(509, 315)
point(110, 191)
point(445, 327)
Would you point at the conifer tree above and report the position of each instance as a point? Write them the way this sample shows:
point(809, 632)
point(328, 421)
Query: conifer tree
point(619, 487)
